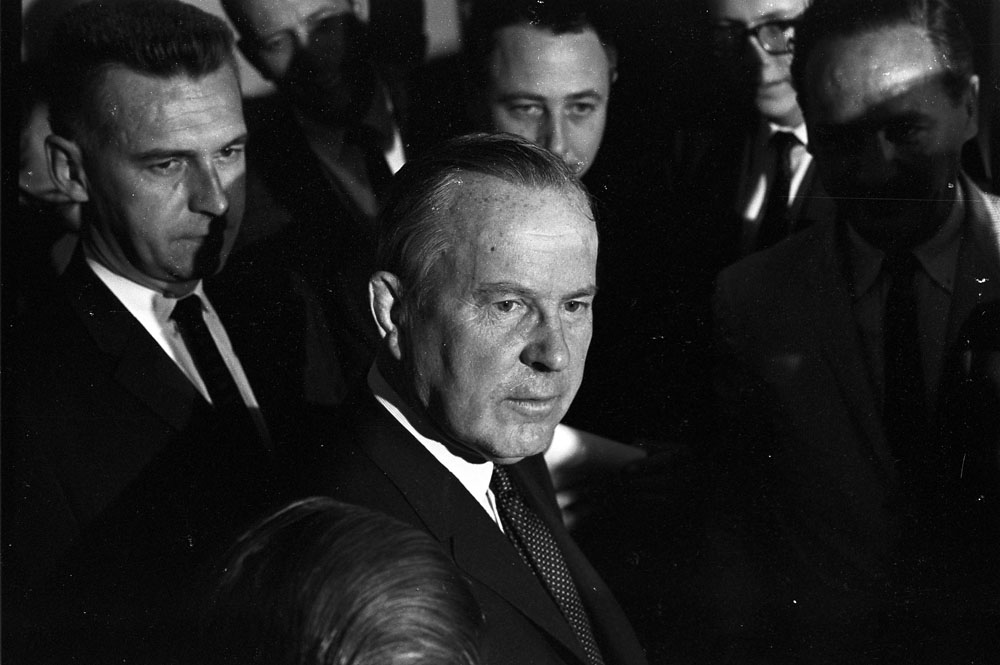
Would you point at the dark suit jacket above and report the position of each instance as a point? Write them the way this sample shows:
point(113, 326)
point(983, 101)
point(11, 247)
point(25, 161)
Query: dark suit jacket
point(379, 465)
point(814, 487)
point(706, 165)
point(119, 480)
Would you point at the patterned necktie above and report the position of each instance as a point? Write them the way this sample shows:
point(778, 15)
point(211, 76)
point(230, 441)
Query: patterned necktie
point(226, 398)
point(775, 225)
point(905, 411)
point(537, 547)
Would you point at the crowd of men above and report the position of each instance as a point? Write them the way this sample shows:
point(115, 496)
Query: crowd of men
point(753, 366)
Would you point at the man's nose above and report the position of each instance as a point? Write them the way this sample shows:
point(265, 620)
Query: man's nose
point(208, 196)
point(874, 159)
point(303, 37)
point(554, 135)
point(547, 350)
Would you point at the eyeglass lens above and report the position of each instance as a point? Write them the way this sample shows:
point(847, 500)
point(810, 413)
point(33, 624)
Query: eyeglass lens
point(774, 37)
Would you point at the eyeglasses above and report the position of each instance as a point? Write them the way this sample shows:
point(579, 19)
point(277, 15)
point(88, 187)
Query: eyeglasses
point(775, 37)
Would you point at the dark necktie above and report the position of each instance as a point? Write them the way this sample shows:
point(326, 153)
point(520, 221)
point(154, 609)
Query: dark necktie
point(538, 548)
point(775, 224)
point(226, 398)
point(905, 411)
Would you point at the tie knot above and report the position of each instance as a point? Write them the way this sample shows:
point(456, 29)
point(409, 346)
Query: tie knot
point(187, 309)
point(783, 142)
point(901, 266)
point(500, 482)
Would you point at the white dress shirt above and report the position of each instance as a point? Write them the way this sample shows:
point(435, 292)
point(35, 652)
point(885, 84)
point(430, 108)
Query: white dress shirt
point(152, 310)
point(474, 476)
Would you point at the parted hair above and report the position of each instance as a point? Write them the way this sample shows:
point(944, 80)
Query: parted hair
point(826, 19)
point(161, 38)
point(322, 582)
point(413, 228)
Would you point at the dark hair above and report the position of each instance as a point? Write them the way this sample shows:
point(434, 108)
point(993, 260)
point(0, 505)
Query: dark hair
point(412, 235)
point(160, 38)
point(825, 19)
point(487, 17)
point(322, 582)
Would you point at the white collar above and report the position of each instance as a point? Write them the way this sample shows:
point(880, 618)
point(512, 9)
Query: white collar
point(799, 131)
point(144, 303)
point(474, 476)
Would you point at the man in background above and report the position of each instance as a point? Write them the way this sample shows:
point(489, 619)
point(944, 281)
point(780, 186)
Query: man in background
point(861, 363)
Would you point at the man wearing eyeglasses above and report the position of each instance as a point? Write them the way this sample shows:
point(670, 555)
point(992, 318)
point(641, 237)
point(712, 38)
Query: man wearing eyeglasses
point(323, 148)
point(747, 170)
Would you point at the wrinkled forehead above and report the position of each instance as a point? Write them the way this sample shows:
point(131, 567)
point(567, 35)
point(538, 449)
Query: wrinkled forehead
point(858, 73)
point(486, 208)
point(265, 17)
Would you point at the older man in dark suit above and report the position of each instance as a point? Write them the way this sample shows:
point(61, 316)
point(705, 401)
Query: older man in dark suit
point(146, 403)
point(483, 298)
point(863, 361)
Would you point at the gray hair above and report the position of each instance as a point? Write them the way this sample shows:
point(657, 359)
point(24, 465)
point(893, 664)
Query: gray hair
point(412, 235)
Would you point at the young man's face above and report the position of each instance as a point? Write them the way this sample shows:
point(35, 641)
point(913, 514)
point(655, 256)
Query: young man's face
point(766, 75)
point(551, 89)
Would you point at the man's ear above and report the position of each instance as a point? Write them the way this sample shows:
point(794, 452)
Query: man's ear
point(387, 306)
point(66, 168)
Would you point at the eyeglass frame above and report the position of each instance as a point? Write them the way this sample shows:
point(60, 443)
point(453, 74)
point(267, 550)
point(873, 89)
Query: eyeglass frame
point(736, 33)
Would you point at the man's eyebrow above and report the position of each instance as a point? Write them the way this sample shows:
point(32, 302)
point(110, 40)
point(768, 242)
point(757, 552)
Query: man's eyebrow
point(519, 96)
point(585, 94)
point(163, 153)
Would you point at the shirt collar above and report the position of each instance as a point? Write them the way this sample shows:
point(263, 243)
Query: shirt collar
point(140, 300)
point(799, 131)
point(938, 256)
point(474, 476)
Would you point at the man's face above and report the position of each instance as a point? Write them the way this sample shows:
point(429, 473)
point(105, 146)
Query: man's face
point(886, 133)
point(497, 354)
point(551, 89)
point(767, 76)
point(315, 51)
point(165, 176)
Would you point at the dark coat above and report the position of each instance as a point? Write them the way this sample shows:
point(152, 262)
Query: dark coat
point(379, 465)
point(816, 498)
point(120, 481)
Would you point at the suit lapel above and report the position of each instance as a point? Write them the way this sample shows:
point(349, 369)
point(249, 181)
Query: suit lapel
point(142, 368)
point(812, 204)
point(452, 516)
point(829, 304)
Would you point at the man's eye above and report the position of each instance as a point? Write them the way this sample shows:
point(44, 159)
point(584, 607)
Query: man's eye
point(277, 43)
point(574, 306)
point(231, 153)
point(581, 109)
point(166, 166)
point(904, 132)
point(506, 306)
point(525, 110)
